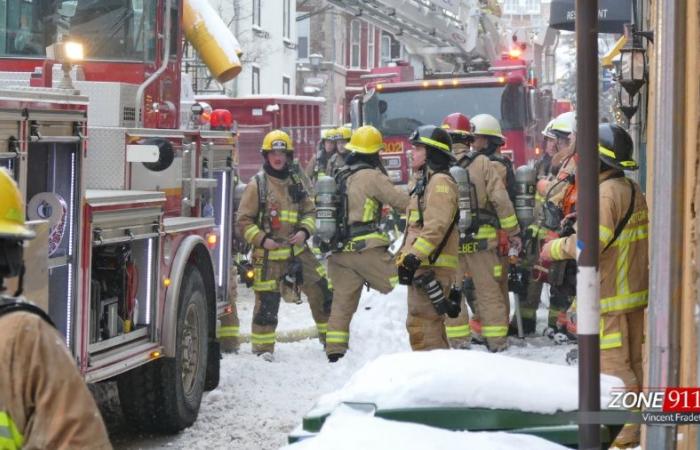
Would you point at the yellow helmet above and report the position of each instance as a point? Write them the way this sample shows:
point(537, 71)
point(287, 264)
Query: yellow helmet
point(366, 140)
point(328, 134)
point(277, 140)
point(12, 210)
point(343, 133)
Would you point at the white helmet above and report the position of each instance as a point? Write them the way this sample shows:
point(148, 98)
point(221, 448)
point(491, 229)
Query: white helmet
point(486, 125)
point(564, 124)
point(547, 132)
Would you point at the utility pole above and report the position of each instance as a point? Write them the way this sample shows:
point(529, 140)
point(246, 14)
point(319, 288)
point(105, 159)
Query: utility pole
point(588, 279)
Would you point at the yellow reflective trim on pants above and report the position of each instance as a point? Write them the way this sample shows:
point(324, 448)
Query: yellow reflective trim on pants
point(509, 222)
point(624, 302)
point(10, 437)
point(269, 285)
point(393, 281)
point(413, 216)
point(485, 232)
point(494, 331)
point(608, 341)
point(497, 271)
point(227, 331)
point(322, 327)
point(555, 249)
point(458, 331)
point(337, 337)
point(250, 232)
point(262, 338)
point(448, 261)
point(369, 210)
point(423, 246)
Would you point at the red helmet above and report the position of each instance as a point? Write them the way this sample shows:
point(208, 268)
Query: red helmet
point(221, 119)
point(457, 123)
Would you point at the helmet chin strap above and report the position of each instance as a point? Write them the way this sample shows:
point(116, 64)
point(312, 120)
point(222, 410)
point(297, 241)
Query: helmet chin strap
point(20, 282)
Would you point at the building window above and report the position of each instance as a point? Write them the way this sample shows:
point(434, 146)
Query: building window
point(370, 46)
point(256, 80)
point(286, 21)
point(386, 49)
point(286, 85)
point(256, 12)
point(355, 43)
point(303, 30)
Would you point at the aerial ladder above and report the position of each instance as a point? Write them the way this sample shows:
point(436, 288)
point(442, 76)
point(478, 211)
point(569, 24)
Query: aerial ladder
point(449, 35)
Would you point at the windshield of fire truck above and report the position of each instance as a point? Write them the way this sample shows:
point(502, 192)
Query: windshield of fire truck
point(108, 29)
point(399, 113)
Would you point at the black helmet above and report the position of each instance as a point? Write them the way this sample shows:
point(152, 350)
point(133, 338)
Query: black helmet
point(435, 138)
point(615, 147)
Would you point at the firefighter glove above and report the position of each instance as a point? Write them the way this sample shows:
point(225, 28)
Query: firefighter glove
point(408, 263)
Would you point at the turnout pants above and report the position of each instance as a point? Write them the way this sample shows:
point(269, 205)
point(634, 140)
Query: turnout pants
point(621, 342)
point(489, 275)
point(426, 329)
point(458, 331)
point(228, 332)
point(268, 293)
point(351, 271)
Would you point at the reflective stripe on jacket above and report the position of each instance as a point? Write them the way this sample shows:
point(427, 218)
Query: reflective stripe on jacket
point(624, 266)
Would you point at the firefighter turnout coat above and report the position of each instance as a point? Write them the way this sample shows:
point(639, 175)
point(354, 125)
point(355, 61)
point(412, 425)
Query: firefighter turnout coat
point(44, 403)
point(430, 218)
point(364, 259)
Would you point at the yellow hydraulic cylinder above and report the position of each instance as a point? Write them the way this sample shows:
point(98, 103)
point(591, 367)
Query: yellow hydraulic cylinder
point(212, 39)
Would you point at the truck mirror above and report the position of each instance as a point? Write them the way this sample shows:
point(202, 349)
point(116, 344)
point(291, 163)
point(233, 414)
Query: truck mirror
point(383, 106)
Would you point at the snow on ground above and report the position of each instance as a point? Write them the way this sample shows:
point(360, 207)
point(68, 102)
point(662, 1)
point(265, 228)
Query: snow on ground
point(258, 403)
point(463, 378)
point(340, 432)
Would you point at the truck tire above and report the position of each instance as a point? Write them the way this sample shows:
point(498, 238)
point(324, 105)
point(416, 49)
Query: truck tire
point(164, 395)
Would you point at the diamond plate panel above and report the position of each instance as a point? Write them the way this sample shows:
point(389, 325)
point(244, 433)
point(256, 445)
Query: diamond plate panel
point(106, 158)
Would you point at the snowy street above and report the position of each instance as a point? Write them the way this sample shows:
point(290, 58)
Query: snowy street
point(258, 403)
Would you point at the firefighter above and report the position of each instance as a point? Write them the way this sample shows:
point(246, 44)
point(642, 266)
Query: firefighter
point(276, 216)
point(624, 264)
point(533, 237)
point(427, 263)
point(316, 166)
point(342, 137)
point(229, 331)
point(488, 139)
point(479, 255)
point(362, 256)
point(44, 402)
point(457, 329)
point(560, 201)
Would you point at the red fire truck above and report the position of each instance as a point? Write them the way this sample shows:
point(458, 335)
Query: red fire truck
point(257, 115)
point(396, 104)
point(138, 210)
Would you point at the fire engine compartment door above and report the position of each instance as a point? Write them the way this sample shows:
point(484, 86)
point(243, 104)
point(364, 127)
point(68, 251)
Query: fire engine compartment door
point(111, 227)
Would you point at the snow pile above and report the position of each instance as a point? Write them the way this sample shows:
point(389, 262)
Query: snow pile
point(463, 378)
point(349, 430)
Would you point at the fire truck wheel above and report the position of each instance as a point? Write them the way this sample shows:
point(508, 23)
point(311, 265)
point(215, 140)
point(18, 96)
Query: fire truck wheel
point(164, 396)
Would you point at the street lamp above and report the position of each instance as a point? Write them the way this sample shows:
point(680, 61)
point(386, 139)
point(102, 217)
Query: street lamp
point(315, 62)
point(633, 64)
point(627, 104)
